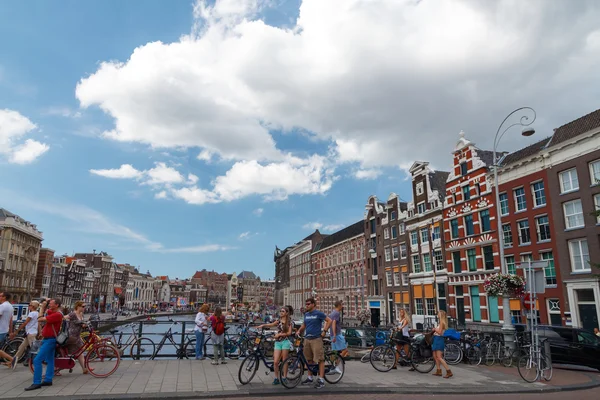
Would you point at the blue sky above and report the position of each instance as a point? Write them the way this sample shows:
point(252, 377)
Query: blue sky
point(180, 136)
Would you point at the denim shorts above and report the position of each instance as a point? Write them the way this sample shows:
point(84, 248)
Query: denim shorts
point(340, 343)
point(3, 337)
point(283, 345)
point(438, 343)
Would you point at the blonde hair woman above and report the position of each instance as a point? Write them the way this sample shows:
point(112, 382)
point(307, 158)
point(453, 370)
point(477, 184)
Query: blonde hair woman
point(438, 345)
point(402, 335)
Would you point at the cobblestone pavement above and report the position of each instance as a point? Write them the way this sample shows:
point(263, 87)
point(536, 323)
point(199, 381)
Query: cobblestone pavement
point(169, 378)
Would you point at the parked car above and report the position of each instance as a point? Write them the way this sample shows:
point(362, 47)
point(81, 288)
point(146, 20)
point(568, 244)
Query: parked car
point(570, 345)
point(358, 337)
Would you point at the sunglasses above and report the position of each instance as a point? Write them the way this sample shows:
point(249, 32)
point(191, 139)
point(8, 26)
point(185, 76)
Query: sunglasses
point(308, 304)
point(283, 311)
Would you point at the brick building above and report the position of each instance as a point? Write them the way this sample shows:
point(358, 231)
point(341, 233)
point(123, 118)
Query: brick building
point(44, 272)
point(302, 274)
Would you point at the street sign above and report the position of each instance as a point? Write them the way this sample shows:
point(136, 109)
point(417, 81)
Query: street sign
point(528, 303)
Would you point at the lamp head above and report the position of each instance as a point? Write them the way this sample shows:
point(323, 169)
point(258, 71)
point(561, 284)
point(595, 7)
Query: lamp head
point(528, 131)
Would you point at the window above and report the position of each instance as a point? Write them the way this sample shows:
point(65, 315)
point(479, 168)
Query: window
point(396, 278)
point(549, 271)
point(539, 194)
point(484, 220)
point(401, 228)
point(507, 235)
point(403, 250)
point(520, 201)
point(524, 235)
point(580, 256)
point(469, 225)
point(419, 188)
point(394, 232)
point(503, 203)
point(388, 278)
point(424, 236)
point(488, 257)
point(463, 168)
point(466, 191)
point(386, 233)
point(393, 215)
point(456, 262)
point(597, 203)
point(525, 259)
point(441, 293)
point(419, 306)
point(421, 208)
point(573, 214)
point(427, 262)
point(568, 180)
point(510, 264)
point(416, 264)
point(388, 254)
point(438, 257)
point(542, 226)
point(472, 259)
point(430, 303)
point(395, 252)
point(404, 277)
point(435, 235)
point(373, 227)
point(454, 228)
point(414, 238)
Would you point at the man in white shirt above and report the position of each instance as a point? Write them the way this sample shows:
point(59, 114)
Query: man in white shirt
point(6, 322)
point(31, 330)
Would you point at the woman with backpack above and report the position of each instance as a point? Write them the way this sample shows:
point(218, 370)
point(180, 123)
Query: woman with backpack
point(217, 321)
point(282, 341)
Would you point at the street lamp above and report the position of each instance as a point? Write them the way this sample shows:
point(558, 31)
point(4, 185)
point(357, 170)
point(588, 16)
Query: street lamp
point(508, 328)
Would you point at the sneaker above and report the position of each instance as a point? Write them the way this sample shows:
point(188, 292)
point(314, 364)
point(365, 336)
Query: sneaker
point(201, 358)
point(284, 380)
point(307, 381)
point(319, 383)
point(13, 363)
point(214, 363)
point(223, 361)
point(276, 381)
point(337, 370)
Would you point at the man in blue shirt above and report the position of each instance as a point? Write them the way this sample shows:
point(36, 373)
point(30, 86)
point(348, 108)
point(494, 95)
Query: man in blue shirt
point(313, 340)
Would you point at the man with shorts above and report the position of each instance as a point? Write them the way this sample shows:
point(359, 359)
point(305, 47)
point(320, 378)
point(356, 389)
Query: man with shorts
point(313, 340)
point(6, 322)
point(338, 342)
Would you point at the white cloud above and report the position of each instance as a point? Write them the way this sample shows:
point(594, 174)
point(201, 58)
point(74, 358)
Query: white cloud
point(161, 195)
point(313, 225)
point(13, 126)
point(192, 179)
point(161, 174)
point(208, 248)
point(246, 235)
point(125, 171)
point(367, 173)
point(373, 78)
point(258, 212)
point(324, 228)
point(61, 112)
point(27, 152)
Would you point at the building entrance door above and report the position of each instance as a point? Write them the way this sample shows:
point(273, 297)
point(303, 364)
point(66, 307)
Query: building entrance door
point(588, 316)
point(460, 310)
point(375, 317)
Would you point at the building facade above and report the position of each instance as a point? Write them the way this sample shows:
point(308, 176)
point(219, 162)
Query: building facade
point(471, 241)
point(376, 290)
point(339, 267)
point(281, 258)
point(216, 285)
point(20, 244)
point(44, 272)
point(267, 294)
point(250, 285)
point(425, 244)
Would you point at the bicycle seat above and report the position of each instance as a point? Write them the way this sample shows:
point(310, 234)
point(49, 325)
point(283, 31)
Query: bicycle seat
point(113, 331)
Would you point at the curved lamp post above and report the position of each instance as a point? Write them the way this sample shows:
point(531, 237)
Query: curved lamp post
point(508, 327)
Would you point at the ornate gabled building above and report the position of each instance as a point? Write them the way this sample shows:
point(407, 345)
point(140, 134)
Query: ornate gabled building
point(428, 274)
point(471, 235)
point(302, 275)
point(281, 258)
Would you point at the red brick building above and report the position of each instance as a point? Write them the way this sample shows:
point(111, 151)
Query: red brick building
point(44, 272)
point(470, 235)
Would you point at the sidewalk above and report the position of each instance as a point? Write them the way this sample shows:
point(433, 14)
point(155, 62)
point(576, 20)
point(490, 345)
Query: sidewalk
point(185, 379)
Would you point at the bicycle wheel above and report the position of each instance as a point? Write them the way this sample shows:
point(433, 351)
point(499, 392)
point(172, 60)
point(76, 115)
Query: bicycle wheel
point(294, 368)
point(103, 360)
point(528, 369)
point(248, 369)
point(334, 367)
point(518, 353)
point(383, 358)
point(190, 349)
point(421, 363)
point(366, 357)
point(12, 346)
point(506, 357)
point(244, 347)
point(490, 354)
point(142, 349)
point(546, 371)
point(474, 355)
point(230, 347)
point(208, 344)
point(453, 353)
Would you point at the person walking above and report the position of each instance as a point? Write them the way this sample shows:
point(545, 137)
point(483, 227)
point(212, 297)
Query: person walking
point(200, 330)
point(53, 320)
point(217, 321)
point(313, 340)
point(282, 342)
point(338, 342)
point(402, 336)
point(31, 330)
point(74, 342)
point(438, 345)
point(6, 323)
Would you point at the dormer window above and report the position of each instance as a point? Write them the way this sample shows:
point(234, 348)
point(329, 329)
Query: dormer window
point(419, 188)
point(463, 168)
point(421, 208)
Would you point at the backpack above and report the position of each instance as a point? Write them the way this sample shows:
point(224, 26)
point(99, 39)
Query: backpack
point(219, 328)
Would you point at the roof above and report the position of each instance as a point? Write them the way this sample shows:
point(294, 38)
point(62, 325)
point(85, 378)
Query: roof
point(486, 156)
point(575, 128)
point(6, 214)
point(437, 180)
point(246, 275)
point(355, 229)
point(525, 152)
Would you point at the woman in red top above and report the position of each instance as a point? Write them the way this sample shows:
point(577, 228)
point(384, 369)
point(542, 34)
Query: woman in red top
point(53, 320)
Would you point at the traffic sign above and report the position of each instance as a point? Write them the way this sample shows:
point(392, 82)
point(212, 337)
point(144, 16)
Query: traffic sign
point(528, 303)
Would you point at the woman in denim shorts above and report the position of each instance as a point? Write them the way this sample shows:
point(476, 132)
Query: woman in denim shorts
point(282, 343)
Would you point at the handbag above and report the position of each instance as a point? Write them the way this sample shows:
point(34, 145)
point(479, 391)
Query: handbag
point(63, 336)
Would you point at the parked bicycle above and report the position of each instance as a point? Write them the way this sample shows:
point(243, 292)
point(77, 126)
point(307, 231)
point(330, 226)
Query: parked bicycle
point(536, 364)
point(185, 350)
point(140, 348)
point(294, 365)
point(383, 357)
point(250, 365)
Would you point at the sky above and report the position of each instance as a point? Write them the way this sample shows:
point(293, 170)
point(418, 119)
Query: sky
point(184, 135)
